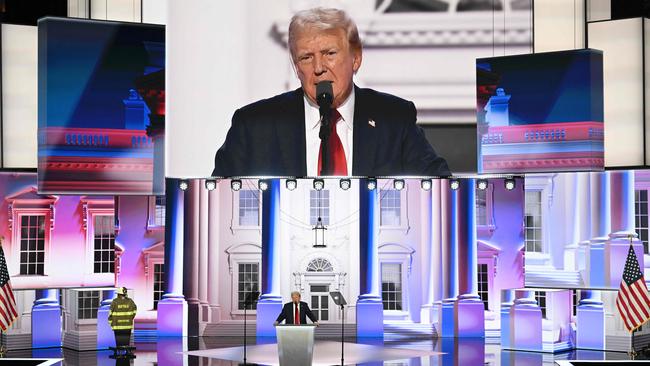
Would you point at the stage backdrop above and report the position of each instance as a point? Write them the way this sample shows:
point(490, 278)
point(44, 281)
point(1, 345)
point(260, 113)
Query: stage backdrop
point(101, 107)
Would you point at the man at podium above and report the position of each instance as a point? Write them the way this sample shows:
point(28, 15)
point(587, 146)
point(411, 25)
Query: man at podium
point(296, 312)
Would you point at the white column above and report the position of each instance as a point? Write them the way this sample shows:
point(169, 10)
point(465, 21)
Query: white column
point(600, 228)
point(203, 250)
point(191, 244)
point(213, 254)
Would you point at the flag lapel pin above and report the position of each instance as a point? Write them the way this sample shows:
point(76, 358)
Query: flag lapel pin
point(371, 122)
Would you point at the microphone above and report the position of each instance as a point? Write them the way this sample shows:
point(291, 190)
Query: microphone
point(324, 98)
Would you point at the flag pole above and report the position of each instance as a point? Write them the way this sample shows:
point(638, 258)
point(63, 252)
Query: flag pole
point(633, 351)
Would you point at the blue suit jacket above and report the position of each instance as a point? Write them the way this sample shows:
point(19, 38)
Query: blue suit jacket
point(287, 313)
point(268, 138)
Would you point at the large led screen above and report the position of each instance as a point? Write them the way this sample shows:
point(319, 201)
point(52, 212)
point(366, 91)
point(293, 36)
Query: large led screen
point(101, 107)
point(55, 241)
point(417, 241)
point(580, 227)
point(540, 112)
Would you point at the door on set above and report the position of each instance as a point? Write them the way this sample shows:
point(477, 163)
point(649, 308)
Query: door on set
point(320, 301)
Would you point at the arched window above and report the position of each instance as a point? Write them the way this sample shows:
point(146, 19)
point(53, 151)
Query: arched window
point(320, 265)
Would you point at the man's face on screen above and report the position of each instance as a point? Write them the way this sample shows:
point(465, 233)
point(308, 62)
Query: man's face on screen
point(326, 55)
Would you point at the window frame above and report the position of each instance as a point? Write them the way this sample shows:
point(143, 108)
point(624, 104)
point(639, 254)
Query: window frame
point(385, 185)
point(151, 214)
point(247, 185)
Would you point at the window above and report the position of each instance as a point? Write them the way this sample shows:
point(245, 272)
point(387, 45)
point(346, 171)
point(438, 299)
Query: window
point(390, 207)
point(641, 217)
point(319, 205)
point(159, 211)
point(104, 238)
point(576, 300)
point(391, 286)
point(533, 221)
point(319, 265)
point(32, 245)
point(483, 291)
point(248, 282)
point(158, 281)
point(249, 207)
point(540, 296)
point(87, 304)
point(481, 208)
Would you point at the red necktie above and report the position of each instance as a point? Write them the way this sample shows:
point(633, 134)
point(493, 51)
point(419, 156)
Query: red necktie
point(296, 317)
point(336, 158)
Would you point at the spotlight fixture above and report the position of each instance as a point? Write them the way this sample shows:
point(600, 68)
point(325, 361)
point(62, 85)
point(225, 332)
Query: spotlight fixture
point(454, 184)
point(398, 184)
point(263, 185)
point(292, 184)
point(319, 184)
point(426, 184)
point(210, 184)
point(235, 184)
point(510, 184)
point(482, 184)
point(345, 184)
point(183, 185)
point(372, 184)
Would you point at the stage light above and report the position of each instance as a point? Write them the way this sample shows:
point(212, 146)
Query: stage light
point(482, 184)
point(183, 185)
point(510, 184)
point(210, 184)
point(372, 184)
point(263, 185)
point(345, 184)
point(319, 184)
point(426, 184)
point(398, 184)
point(454, 184)
point(292, 184)
point(235, 184)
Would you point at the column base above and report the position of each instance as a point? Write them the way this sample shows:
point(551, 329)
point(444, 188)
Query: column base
point(172, 316)
point(470, 317)
point(428, 314)
point(447, 318)
point(370, 317)
point(505, 325)
point(268, 309)
point(214, 313)
point(46, 326)
point(526, 327)
point(105, 334)
point(615, 254)
point(597, 263)
point(590, 332)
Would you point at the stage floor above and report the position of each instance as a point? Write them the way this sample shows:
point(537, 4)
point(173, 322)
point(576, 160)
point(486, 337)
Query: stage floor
point(325, 353)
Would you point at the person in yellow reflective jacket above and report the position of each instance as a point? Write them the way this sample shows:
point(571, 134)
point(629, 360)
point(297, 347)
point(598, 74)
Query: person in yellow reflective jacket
point(120, 316)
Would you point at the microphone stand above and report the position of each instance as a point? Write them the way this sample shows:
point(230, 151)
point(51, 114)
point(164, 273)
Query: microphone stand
point(324, 135)
point(342, 334)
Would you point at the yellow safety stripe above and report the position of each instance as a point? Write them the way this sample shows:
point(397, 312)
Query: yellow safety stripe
point(120, 327)
point(122, 313)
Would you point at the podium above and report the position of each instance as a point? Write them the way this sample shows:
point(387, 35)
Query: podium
point(295, 344)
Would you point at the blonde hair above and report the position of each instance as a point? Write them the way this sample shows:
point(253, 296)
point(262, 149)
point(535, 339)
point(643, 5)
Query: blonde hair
point(295, 293)
point(323, 19)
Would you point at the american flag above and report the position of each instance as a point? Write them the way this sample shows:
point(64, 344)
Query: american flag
point(633, 301)
point(8, 311)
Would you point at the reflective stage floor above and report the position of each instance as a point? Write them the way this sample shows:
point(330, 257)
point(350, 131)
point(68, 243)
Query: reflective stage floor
point(221, 351)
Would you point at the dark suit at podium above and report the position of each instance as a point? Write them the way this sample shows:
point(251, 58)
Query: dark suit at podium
point(268, 138)
point(287, 313)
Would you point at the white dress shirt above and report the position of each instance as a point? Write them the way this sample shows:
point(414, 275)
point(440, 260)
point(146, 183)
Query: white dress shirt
point(293, 305)
point(343, 129)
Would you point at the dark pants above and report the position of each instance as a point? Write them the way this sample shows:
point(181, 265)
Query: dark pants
point(122, 337)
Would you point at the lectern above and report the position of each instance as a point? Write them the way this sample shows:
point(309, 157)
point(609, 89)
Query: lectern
point(295, 344)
